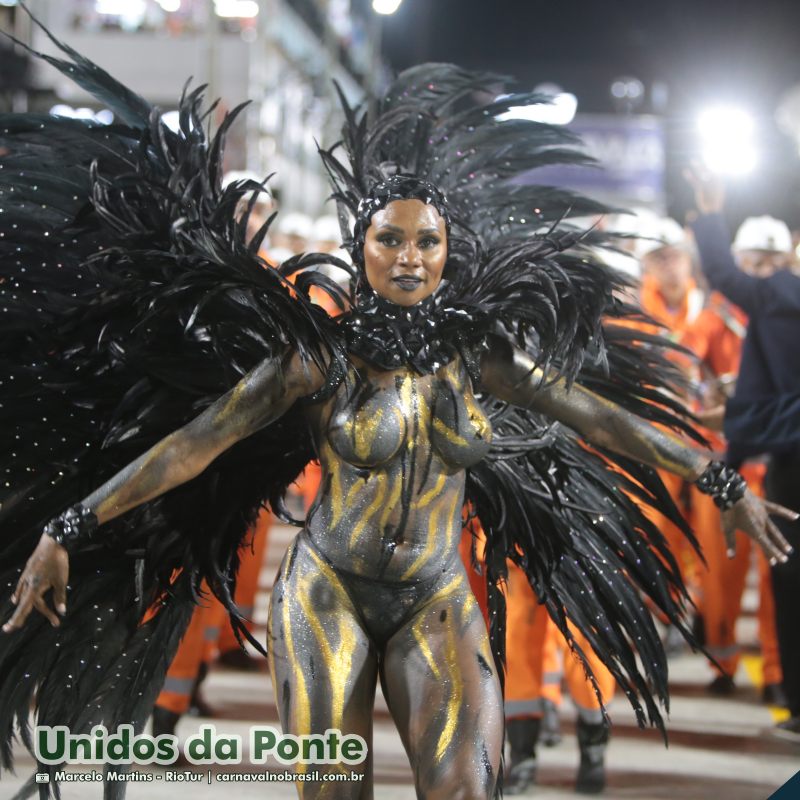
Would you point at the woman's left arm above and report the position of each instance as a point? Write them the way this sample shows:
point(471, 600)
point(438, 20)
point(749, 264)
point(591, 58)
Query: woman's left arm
point(510, 374)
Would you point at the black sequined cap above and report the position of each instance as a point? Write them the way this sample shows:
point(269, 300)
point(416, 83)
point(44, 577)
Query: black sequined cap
point(398, 187)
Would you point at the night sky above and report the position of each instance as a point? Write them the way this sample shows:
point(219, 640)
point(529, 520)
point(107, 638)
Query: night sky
point(703, 51)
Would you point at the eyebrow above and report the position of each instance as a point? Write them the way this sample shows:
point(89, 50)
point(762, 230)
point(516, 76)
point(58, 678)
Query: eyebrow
point(395, 229)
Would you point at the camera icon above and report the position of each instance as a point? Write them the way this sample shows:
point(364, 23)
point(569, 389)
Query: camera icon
point(42, 777)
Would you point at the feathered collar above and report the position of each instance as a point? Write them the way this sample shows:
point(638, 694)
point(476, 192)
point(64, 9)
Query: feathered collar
point(425, 336)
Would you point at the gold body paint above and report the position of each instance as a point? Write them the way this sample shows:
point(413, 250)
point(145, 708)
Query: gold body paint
point(375, 582)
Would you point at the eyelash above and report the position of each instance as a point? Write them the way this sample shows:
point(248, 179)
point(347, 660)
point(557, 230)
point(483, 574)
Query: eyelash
point(391, 241)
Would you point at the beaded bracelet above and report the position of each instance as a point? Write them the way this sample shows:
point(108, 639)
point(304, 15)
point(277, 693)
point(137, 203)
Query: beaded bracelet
point(72, 529)
point(725, 485)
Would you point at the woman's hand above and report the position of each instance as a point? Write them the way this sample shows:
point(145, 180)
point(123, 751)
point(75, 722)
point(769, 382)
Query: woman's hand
point(751, 515)
point(47, 568)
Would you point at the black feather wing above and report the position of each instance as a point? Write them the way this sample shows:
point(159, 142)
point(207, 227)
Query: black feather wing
point(573, 518)
point(128, 302)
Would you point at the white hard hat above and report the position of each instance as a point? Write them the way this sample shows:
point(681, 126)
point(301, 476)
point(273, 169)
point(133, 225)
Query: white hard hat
point(342, 255)
point(656, 232)
point(326, 229)
point(625, 224)
point(295, 224)
point(763, 233)
point(279, 254)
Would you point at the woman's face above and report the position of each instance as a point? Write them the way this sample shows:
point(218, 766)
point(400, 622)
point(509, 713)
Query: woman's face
point(405, 250)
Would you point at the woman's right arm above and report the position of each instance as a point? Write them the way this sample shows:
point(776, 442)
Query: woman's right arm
point(263, 395)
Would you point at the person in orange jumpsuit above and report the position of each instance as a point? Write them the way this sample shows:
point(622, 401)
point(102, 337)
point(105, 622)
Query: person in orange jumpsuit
point(251, 563)
point(670, 295)
point(534, 652)
point(530, 636)
point(716, 337)
point(714, 331)
point(210, 636)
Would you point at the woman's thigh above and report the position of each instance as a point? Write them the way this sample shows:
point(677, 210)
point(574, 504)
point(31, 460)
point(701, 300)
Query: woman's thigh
point(444, 694)
point(323, 665)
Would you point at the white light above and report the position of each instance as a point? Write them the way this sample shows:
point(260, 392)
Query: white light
point(170, 5)
point(61, 110)
point(725, 121)
point(385, 6)
point(727, 140)
point(236, 9)
point(627, 88)
point(559, 111)
point(730, 158)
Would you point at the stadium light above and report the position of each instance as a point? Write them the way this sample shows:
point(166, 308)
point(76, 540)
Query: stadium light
point(727, 140)
point(385, 6)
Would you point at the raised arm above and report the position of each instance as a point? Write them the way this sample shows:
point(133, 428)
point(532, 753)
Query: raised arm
point(779, 292)
point(716, 260)
point(511, 375)
point(263, 395)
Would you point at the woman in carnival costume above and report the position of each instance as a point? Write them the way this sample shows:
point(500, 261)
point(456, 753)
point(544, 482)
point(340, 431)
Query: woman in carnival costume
point(478, 353)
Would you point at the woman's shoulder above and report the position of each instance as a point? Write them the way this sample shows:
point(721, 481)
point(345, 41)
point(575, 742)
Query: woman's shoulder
point(309, 376)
